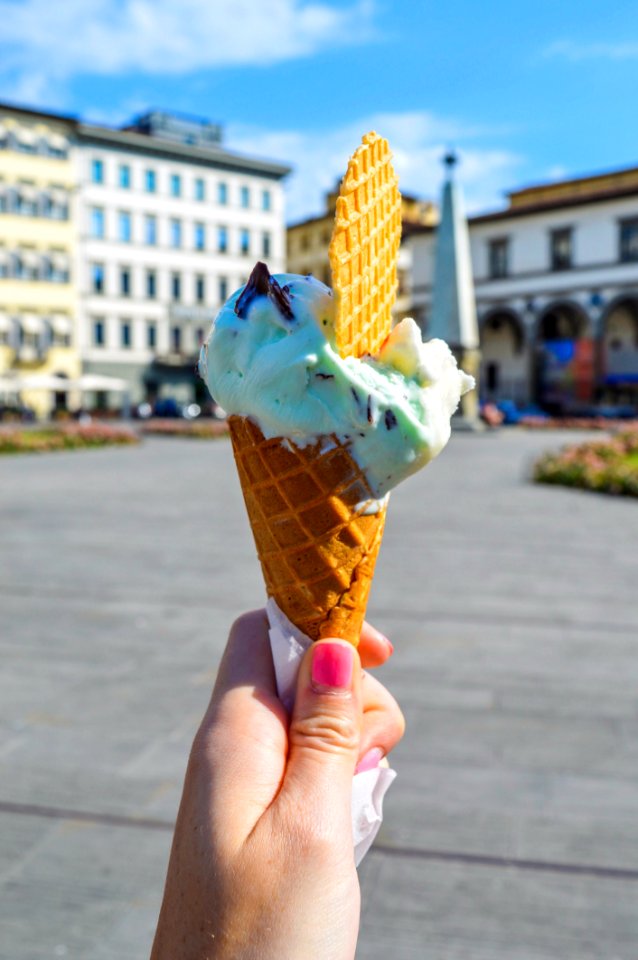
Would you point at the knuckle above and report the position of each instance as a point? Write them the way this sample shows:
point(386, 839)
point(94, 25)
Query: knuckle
point(327, 733)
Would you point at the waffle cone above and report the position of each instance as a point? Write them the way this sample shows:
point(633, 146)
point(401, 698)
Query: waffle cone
point(316, 543)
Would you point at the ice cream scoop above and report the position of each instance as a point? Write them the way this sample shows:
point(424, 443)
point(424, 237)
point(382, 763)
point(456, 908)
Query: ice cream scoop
point(268, 358)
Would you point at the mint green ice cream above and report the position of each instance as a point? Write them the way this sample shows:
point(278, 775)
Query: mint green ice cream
point(267, 358)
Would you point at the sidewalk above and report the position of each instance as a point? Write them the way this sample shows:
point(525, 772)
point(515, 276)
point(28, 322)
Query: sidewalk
point(511, 832)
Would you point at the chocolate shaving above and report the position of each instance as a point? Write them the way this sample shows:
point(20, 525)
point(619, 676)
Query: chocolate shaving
point(369, 409)
point(261, 284)
point(390, 419)
point(325, 376)
point(356, 398)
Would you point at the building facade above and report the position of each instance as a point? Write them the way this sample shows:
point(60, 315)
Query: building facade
point(556, 280)
point(38, 295)
point(117, 248)
point(170, 224)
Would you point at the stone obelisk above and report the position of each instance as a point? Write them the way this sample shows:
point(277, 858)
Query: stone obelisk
point(453, 314)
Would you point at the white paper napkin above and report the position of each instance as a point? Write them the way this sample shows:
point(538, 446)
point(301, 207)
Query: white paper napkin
point(288, 646)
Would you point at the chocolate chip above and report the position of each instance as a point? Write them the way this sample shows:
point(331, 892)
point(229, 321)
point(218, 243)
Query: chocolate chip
point(390, 419)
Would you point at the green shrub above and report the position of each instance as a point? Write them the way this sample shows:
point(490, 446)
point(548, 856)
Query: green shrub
point(605, 466)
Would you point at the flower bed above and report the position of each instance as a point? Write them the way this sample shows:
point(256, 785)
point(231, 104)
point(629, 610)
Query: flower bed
point(606, 466)
point(67, 437)
point(575, 423)
point(199, 429)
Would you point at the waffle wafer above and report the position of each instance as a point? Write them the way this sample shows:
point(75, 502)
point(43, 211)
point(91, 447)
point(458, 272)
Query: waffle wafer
point(364, 249)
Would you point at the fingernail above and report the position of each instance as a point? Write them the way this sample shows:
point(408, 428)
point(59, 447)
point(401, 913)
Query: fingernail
point(332, 666)
point(369, 760)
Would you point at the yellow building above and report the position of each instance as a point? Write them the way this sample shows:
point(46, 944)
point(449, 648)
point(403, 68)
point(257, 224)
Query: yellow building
point(37, 250)
point(308, 243)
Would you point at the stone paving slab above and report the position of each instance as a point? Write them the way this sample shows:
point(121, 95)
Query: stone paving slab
point(510, 833)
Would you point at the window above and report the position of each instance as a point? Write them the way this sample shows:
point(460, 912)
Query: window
point(629, 240)
point(200, 189)
point(223, 289)
point(200, 333)
point(176, 185)
point(244, 241)
point(265, 200)
point(25, 201)
point(561, 248)
point(125, 176)
point(124, 226)
point(244, 197)
point(151, 335)
point(97, 278)
point(265, 244)
point(498, 258)
point(46, 269)
point(97, 222)
point(151, 284)
point(176, 286)
point(125, 334)
point(125, 282)
point(200, 288)
point(222, 239)
point(200, 236)
point(222, 193)
point(150, 229)
point(97, 171)
point(150, 181)
point(176, 233)
point(176, 339)
point(98, 333)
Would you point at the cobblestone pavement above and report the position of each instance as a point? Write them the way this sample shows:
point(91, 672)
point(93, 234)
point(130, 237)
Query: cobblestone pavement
point(512, 830)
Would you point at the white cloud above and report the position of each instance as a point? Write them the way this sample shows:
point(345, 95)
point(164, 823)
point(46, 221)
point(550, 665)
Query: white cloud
point(55, 41)
point(418, 139)
point(576, 51)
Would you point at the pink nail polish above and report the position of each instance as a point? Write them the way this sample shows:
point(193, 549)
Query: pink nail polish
point(369, 760)
point(332, 665)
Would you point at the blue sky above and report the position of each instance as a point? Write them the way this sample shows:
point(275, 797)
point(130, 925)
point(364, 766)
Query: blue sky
point(525, 91)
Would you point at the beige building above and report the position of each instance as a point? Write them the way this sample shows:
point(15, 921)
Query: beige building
point(37, 250)
point(308, 242)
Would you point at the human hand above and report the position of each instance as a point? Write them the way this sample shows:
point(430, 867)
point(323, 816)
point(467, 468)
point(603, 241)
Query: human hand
point(262, 863)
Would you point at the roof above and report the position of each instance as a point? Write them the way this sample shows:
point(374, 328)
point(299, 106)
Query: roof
point(565, 194)
point(157, 146)
point(39, 114)
point(142, 142)
point(563, 204)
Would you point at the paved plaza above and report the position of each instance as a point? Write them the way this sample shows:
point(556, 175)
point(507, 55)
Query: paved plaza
point(511, 832)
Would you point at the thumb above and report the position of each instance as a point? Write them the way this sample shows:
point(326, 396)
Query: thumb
point(325, 729)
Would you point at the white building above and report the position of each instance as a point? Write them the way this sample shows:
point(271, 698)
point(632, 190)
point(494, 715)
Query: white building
point(170, 223)
point(556, 280)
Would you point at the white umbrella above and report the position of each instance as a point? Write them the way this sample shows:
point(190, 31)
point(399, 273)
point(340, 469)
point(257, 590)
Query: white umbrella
point(43, 381)
point(97, 381)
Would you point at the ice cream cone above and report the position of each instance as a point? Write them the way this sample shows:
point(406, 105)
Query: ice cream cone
point(317, 528)
point(315, 519)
